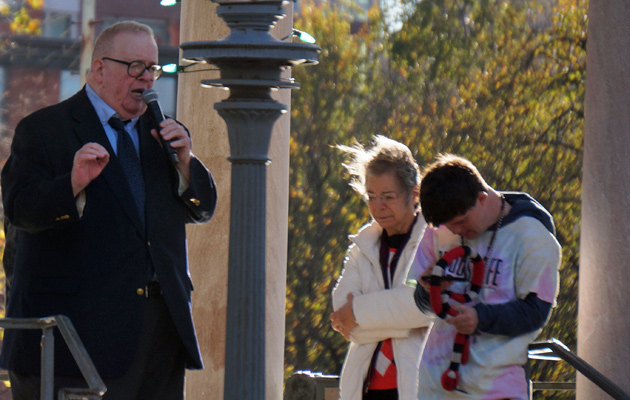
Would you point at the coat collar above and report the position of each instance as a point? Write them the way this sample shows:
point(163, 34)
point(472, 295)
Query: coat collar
point(368, 238)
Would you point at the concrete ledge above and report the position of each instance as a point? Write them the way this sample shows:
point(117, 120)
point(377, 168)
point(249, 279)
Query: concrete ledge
point(307, 385)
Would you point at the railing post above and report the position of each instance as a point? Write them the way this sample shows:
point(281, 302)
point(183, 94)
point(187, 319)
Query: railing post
point(48, 364)
point(96, 388)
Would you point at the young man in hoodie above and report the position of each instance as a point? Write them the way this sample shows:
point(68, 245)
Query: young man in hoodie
point(515, 237)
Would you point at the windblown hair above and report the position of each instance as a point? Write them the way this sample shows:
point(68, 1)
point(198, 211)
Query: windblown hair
point(386, 155)
point(449, 188)
point(105, 41)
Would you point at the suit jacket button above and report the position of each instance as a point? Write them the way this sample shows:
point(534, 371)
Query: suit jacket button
point(140, 292)
point(195, 201)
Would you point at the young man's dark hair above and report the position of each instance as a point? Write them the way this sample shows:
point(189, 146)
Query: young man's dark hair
point(450, 187)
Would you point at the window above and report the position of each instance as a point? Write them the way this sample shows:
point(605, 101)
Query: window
point(69, 84)
point(166, 87)
point(58, 25)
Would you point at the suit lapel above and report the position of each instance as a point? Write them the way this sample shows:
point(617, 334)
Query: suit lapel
point(89, 129)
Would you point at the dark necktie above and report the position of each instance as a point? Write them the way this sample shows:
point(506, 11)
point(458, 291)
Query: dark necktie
point(130, 163)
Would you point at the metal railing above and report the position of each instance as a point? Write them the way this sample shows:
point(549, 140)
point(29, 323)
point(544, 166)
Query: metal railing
point(316, 386)
point(96, 388)
point(555, 350)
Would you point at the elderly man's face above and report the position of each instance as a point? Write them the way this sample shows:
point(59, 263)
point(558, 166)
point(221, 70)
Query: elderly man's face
point(119, 90)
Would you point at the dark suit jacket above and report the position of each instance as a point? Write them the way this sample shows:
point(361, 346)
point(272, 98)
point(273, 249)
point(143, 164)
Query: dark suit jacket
point(90, 268)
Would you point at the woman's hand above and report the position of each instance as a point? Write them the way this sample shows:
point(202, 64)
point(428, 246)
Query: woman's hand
point(343, 320)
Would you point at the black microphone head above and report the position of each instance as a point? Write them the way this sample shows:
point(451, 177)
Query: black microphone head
point(149, 95)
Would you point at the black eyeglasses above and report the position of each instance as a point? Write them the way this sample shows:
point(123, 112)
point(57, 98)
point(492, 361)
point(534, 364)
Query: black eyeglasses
point(135, 69)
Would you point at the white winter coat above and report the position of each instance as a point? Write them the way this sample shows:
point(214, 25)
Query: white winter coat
point(380, 313)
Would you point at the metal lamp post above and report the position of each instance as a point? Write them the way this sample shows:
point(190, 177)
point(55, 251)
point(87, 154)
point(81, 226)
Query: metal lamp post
point(251, 62)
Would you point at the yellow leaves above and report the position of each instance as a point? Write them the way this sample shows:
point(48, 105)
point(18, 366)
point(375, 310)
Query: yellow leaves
point(33, 26)
point(24, 24)
point(374, 13)
point(5, 9)
point(35, 4)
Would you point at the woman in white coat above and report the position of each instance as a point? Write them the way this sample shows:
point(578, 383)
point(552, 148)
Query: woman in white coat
point(373, 308)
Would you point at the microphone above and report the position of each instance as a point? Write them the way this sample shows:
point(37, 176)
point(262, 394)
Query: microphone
point(150, 98)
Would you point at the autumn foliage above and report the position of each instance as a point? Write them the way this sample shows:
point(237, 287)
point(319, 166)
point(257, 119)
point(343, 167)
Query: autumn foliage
point(499, 82)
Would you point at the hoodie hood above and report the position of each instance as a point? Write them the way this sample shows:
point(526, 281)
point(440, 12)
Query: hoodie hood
point(524, 205)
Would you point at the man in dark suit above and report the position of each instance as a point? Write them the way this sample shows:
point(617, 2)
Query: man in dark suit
point(98, 243)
